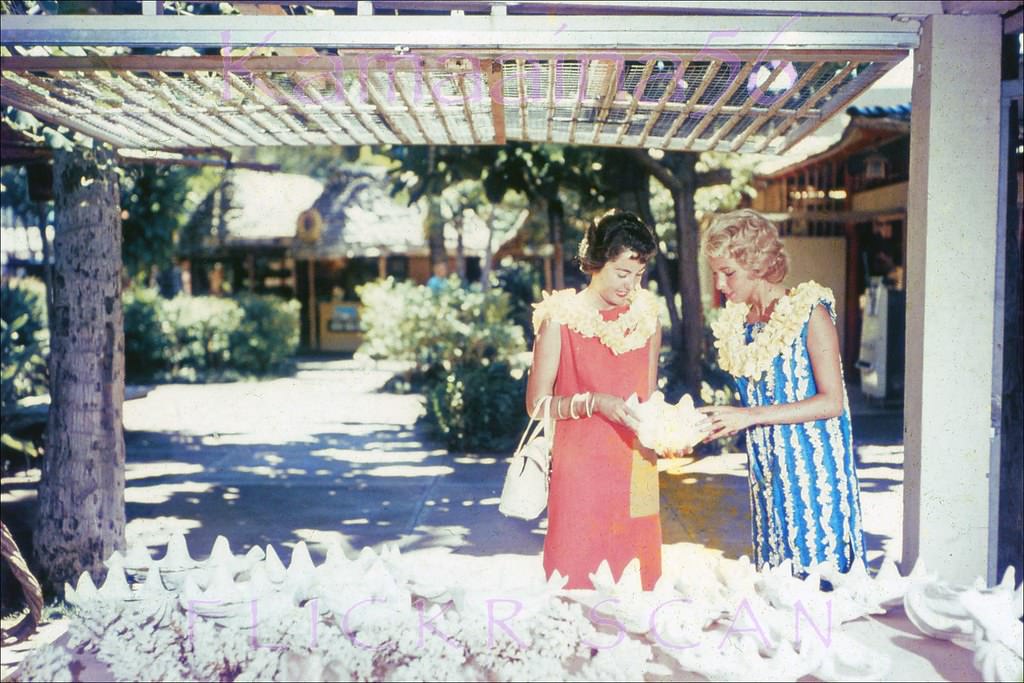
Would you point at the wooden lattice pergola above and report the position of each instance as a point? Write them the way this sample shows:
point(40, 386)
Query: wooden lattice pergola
point(339, 80)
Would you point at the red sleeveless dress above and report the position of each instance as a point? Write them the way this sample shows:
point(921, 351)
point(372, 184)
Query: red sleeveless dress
point(604, 500)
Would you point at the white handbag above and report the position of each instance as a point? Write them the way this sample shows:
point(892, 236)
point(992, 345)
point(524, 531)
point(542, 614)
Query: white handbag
point(525, 493)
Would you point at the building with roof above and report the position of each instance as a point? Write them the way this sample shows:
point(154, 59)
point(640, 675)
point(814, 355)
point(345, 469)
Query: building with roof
point(843, 212)
point(298, 237)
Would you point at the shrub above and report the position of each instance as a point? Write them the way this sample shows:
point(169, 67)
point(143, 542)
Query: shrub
point(202, 338)
point(200, 330)
point(24, 345)
point(522, 283)
point(477, 407)
point(146, 343)
point(25, 339)
point(268, 334)
point(455, 326)
point(460, 341)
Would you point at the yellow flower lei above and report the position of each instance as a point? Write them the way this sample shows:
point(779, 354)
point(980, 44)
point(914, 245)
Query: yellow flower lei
point(628, 332)
point(786, 323)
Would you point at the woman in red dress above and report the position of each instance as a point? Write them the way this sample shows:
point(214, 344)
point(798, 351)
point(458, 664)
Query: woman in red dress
point(593, 349)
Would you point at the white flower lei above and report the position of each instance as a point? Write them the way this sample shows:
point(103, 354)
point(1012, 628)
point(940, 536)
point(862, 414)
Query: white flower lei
point(628, 332)
point(741, 359)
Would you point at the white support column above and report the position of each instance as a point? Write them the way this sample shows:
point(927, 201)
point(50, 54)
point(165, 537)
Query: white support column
point(951, 252)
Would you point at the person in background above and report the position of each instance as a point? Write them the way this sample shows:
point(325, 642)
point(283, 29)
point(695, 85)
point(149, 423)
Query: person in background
point(439, 280)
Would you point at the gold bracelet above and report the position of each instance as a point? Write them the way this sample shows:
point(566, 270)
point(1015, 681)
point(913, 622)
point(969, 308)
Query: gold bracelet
point(560, 416)
point(591, 400)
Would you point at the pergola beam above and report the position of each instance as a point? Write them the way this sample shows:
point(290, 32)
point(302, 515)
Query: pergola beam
point(494, 32)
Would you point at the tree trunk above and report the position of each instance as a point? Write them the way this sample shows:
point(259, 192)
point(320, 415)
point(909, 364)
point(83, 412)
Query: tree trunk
point(634, 177)
point(81, 516)
point(663, 272)
point(435, 232)
point(485, 267)
point(460, 246)
point(688, 238)
point(556, 217)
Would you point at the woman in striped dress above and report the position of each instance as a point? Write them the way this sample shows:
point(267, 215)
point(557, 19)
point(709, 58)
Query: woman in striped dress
point(782, 348)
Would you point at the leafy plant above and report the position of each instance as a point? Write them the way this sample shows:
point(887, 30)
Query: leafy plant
point(268, 334)
point(522, 283)
point(202, 338)
point(461, 341)
point(25, 345)
point(477, 407)
point(455, 326)
point(145, 340)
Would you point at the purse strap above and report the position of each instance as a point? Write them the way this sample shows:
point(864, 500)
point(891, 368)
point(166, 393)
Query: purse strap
point(536, 425)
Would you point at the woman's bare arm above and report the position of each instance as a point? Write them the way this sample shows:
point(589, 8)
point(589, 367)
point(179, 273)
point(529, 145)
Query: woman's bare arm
point(547, 347)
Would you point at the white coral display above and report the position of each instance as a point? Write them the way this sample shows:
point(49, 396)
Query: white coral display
point(667, 428)
point(390, 617)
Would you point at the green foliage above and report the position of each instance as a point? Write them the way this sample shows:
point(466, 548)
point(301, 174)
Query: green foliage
point(155, 203)
point(145, 341)
point(406, 321)
point(15, 197)
point(461, 341)
point(26, 338)
point(200, 331)
point(725, 196)
point(24, 345)
point(268, 334)
point(522, 283)
point(477, 407)
point(203, 338)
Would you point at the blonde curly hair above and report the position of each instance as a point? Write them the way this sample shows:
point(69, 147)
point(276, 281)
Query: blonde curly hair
point(751, 240)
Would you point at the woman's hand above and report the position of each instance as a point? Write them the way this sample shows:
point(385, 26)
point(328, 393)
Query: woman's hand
point(614, 408)
point(726, 420)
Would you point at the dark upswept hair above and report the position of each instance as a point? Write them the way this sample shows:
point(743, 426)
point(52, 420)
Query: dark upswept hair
point(615, 232)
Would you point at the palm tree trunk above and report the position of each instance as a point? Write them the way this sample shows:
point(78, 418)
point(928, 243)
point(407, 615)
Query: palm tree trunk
point(81, 516)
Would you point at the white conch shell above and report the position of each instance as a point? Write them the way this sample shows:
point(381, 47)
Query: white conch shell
point(739, 577)
point(998, 632)
point(997, 663)
point(220, 554)
point(153, 587)
point(115, 586)
point(935, 609)
point(301, 563)
point(138, 557)
point(890, 587)
point(177, 557)
point(116, 559)
point(667, 428)
point(625, 600)
point(846, 659)
point(83, 593)
point(856, 592)
point(274, 567)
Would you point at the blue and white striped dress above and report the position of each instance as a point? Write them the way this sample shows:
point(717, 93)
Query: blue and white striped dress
point(804, 495)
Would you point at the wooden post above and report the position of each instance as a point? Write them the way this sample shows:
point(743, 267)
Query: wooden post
point(311, 282)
